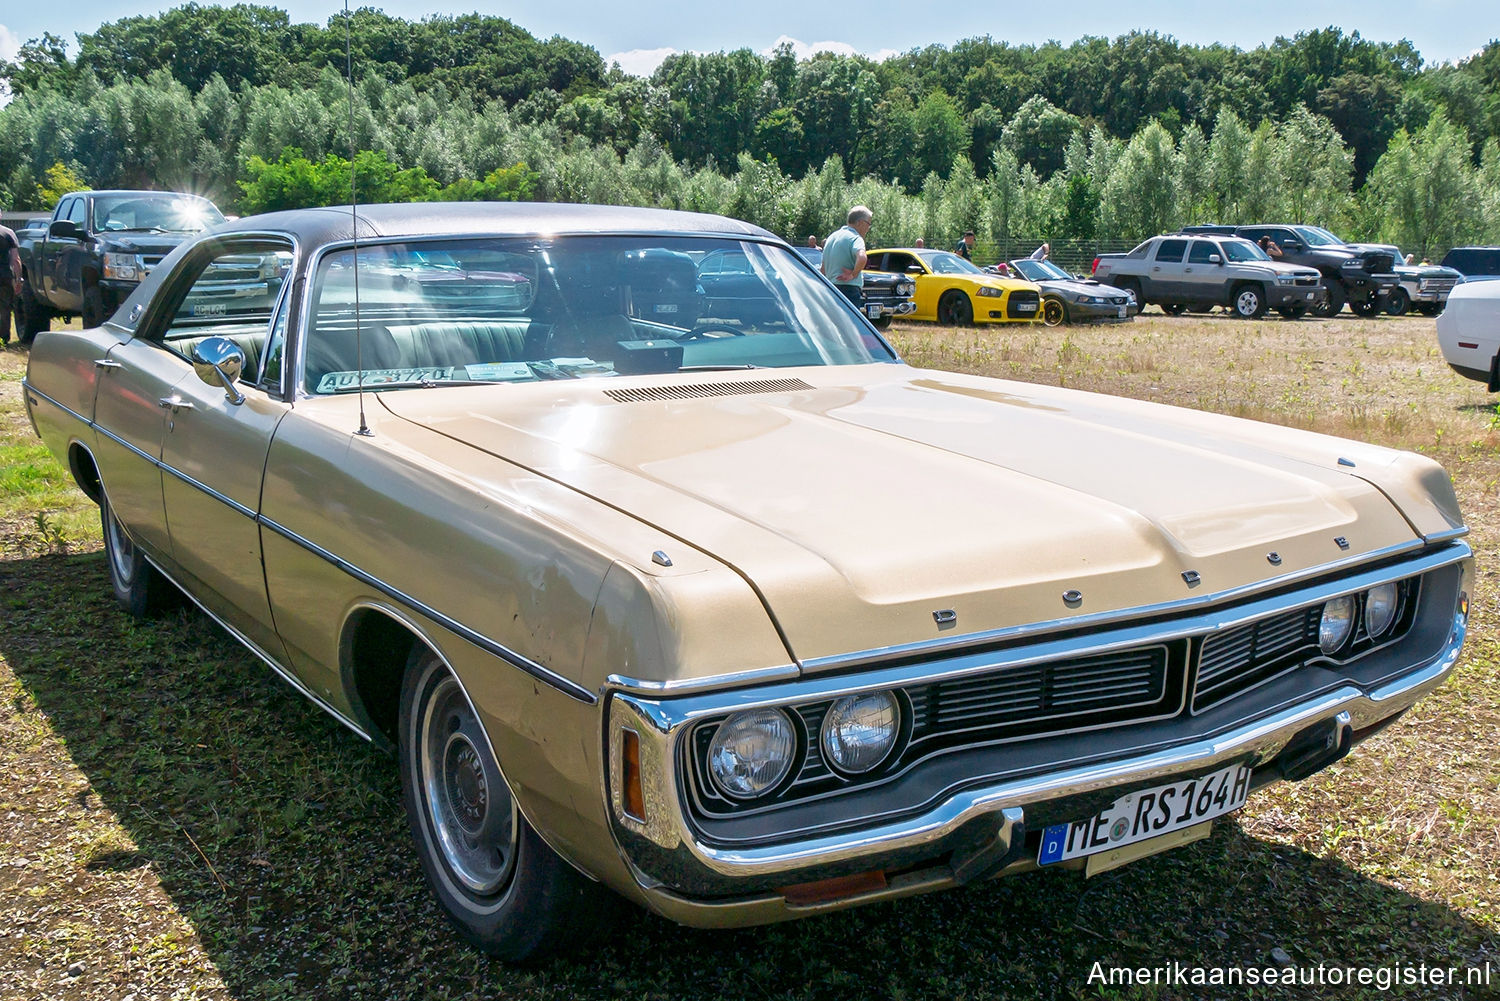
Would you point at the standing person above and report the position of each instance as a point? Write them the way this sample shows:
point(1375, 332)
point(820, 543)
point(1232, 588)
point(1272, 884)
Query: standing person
point(844, 256)
point(1042, 253)
point(921, 243)
point(965, 248)
point(10, 280)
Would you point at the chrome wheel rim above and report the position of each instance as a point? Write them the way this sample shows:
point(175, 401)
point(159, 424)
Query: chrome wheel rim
point(121, 552)
point(1247, 303)
point(473, 815)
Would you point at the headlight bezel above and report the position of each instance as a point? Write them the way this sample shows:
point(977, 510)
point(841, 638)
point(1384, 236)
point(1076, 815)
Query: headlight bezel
point(901, 725)
point(796, 753)
point(119, 266)
point(990, 292)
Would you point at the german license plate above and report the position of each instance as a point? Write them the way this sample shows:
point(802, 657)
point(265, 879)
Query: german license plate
point(1148, 814)
point(873, 312)
point(1025, 307)
point(1122, 312)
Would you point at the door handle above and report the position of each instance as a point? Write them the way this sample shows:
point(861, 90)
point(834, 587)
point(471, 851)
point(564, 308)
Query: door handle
point(105, 363)
point(1156, 269)
point(174, 403)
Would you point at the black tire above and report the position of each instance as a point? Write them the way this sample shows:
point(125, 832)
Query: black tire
point(1248, 302)
point(1368, 306)
point(1054, 311)
point(1174, 309)
point(882, 322)
point(1399, 302)
point(1335, 301)
point(1430, 308)
point(1295, 311)
point(505, 891)
point(955, 309)
point(138, 586)
point(1133, 287)
point(31, 316)
point(93, 306)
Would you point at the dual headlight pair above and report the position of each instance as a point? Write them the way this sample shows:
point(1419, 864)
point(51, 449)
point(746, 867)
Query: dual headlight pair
point(1381, 603)
point(753, 751)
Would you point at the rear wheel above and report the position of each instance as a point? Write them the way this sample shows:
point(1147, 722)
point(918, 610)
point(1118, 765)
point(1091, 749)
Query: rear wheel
point(1295, 311)
point(1249, 302)
point(1398, 303)
point(955, 309)
point(138, 586)
point(1429, 308)
point(1174, 309)
point(31, 316)
point(505, 891)
point(1054, 313)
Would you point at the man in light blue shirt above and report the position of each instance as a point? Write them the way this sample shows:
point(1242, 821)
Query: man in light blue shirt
point(844, 255)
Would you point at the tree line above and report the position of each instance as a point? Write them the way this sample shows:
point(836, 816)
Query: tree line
point(1098, 140)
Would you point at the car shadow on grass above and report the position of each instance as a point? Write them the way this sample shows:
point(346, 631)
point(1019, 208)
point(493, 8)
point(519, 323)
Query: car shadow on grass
point(279, 837)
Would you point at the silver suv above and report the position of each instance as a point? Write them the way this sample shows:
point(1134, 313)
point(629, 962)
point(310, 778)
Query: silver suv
point(1182, 271)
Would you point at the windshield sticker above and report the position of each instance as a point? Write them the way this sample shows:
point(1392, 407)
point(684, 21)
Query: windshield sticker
point(500, 371)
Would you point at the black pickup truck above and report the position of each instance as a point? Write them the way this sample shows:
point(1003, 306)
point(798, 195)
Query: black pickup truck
point(1362, 277)
point(97, 248)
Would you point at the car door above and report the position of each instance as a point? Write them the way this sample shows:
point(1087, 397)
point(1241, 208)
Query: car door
point(1203, 278)
point(926, 296)
point(1164, 275)
point(59, 254)
point(216, 440)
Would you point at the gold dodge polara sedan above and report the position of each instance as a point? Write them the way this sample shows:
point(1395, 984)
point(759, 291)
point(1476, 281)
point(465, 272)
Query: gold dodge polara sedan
point(684, 585)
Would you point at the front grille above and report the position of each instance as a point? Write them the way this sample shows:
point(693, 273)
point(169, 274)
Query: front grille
point(1232, 661)
point(1130, 686)
point(1378, 264)
point(1023, 305)
point(1307, 280)
point(1437, 284)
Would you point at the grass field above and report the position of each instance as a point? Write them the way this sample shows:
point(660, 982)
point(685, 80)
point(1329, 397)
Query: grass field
point(176, 823)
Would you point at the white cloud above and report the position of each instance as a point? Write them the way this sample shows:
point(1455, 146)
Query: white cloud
point(640, 62)
point(804, 50)
point(643, 62)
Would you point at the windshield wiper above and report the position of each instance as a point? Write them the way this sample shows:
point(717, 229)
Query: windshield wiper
point(718, 368)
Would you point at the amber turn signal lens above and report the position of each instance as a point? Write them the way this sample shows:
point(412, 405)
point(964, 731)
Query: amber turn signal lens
point(632, 797)
point(824, 890)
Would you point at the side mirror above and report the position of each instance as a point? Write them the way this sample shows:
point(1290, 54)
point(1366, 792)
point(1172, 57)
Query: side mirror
point(1291, 245)
point(66, 229)
point(1215, 259)
point(915, 269)
point(219, 362)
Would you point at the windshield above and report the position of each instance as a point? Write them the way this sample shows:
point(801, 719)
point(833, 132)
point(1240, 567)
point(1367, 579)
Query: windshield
point(1316, 236)
point(166, 213)
point(940, 262)
point(1039, 271)
point(1243, 250)
point(540, 307)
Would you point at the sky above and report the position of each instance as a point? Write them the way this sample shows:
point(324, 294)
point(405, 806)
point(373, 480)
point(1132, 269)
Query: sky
point(641, 33)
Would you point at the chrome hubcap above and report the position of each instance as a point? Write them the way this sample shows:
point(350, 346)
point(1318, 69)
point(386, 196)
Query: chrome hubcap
point(472, 812)
point(121, 552)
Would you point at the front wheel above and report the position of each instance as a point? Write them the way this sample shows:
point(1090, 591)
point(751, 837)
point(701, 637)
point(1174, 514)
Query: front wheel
point(1399, 302)
point(955, 309)
point(1368, 306)
point(1249, 302)
point(1335, 301)
point(1295, 311)
point(1054, 313)
point(93, 306)
point(505, 891)
point(138, 586)
point(31, 316)
point(1174, 309)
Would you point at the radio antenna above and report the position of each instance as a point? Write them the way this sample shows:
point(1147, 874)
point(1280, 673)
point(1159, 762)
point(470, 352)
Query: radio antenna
point(359, 357)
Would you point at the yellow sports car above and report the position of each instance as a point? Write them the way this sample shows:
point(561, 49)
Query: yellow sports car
point(952, 290)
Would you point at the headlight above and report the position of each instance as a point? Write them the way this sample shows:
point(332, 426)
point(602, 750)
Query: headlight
point(993, 293)
point(905, 288)
point(1380, 609)
point(122, 267)
point(860, 730)
point(752, 752)
point(1286, 279)
point(1089, 299)
point(1336, 624)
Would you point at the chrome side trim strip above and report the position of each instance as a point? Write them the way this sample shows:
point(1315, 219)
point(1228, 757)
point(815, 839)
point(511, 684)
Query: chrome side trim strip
point(27, 387)
point(926, 647)
point(271, 662)
point(531, 667)
point(229, 502)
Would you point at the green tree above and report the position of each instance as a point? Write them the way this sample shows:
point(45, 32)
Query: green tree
point(1427, 190)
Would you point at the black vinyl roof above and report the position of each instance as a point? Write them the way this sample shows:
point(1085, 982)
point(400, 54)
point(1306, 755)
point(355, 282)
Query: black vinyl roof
point(326, 225)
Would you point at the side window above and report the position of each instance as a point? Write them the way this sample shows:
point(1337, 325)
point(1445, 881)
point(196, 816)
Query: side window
point(1139, 253)
point(270, 376)
point(1201, 251)
point(1280, 236)
point(78, 211)
point(1170, 251)
point(876, 262)
point(899, 263)
point(228, 291)
point(61, 212)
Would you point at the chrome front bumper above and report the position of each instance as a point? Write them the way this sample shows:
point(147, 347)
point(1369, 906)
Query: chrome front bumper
point(975, 831)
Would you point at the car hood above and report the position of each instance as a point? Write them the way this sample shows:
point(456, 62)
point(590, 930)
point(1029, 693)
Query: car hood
point(142, 243)
point(859, 501)
point(1082, 288)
